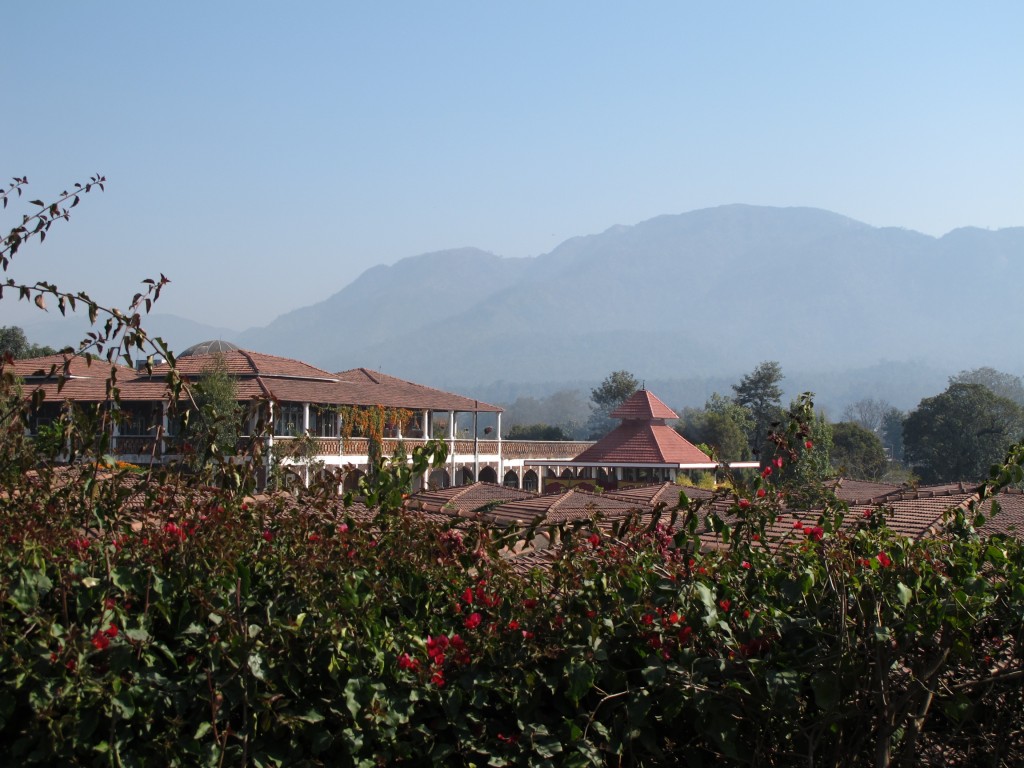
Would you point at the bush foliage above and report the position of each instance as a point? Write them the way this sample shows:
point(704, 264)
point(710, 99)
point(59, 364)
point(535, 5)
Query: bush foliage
point(173, 618)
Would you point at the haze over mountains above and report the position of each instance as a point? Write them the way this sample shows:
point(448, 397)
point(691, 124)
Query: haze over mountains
point(699, 296)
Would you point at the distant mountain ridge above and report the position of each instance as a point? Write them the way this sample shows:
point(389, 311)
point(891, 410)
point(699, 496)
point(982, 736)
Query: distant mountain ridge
point(703, 295)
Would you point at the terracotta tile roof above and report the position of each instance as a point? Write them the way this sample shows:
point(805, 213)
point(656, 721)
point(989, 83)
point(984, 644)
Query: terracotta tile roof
point(661, 493)
point(863, 491)
point(643, 406)
point(464, 499)
point(560, 508)
point(365, 387)
point(643, 444)
point(88, 382)
point(1010, 518)
point(241, 362)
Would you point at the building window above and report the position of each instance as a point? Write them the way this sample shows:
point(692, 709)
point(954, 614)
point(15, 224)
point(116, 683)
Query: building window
point(323, 421)
point(288, 420)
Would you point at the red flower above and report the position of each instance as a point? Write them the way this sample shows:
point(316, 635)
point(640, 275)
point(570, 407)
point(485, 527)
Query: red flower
point(743, 503)
point(745, 565)
point(100, 641)
point(808, 445)
point(725, 605)
point(798, 524)
point(816, 533)
point(314, 537)
point(473, 621)
point(268, 536)
point(761, 493)
point(766, 471)
point(111, 631)
point(684, 635)
point(777, 462)
point(513, 624)
point(647, 619)
point(467, 596)
point(756, 537)
point(867, 513)
point(883, 560)
point(529, 603)
point(595, 540)
point(407, 662)
point(109, 603)
point(438, 679)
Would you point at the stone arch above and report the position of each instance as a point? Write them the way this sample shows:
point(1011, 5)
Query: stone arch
point(511, 480)
point(488, 475)
point(530, 481)
point(439, 478)
point(466, 476)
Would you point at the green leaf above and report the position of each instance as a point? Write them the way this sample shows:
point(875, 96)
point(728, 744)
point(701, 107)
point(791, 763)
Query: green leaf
point(904, 593)
point(826, 689)
point(581, 678)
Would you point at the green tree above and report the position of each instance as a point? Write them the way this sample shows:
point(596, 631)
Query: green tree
point(759, 392)
point(857, 452)
point(1003, 384)
point(892, 432)
point(611, 393)
point(536, 432)
point(960, 433)
point(722, 425)
point(806, 478)
point(14, 342)
point(213, 420)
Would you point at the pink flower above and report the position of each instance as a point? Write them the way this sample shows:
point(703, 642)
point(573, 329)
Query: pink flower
point(473, 620)
point(777, 462)
point(745, 565)
point(343, 528)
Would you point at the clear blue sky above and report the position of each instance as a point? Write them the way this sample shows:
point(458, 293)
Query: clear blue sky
point(262, 155)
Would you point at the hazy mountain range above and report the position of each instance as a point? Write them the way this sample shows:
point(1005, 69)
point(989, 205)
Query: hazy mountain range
point(690, 300)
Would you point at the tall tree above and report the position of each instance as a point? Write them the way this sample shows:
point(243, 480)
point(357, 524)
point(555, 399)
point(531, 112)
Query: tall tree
point(722, 425)
point(868, 412)
point(760, 393)
point(1003, 384)
point(960, 433)
point(14, 341)
point(611, 393)
point(892, 432)
point(214, 420)
point(857, 452)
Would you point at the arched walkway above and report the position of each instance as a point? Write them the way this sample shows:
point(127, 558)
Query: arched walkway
point(488, 475)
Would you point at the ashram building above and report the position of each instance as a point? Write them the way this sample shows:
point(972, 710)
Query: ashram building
point(296, 401)
point(642, 450)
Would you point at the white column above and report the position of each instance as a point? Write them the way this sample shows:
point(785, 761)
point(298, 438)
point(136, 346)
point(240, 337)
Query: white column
point(501, 459)
point(305, 418)
point(476, 447)
point(451, 438)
